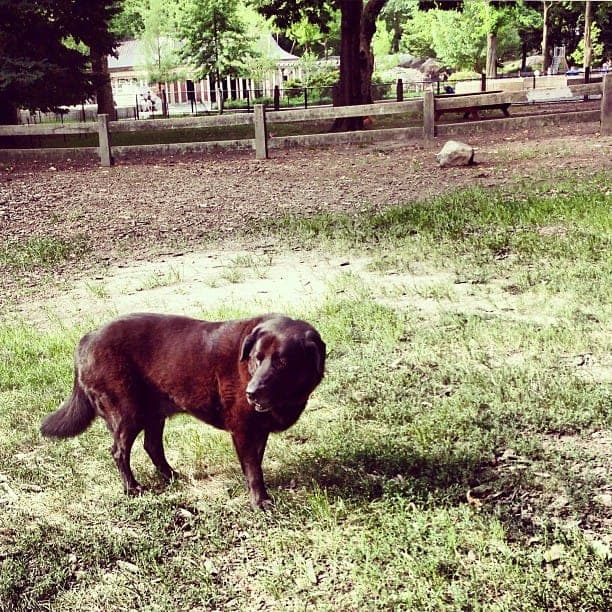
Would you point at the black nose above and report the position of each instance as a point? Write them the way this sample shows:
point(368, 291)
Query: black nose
point(252, 396)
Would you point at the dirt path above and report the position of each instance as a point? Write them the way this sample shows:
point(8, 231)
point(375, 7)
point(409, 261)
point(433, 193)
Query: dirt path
point(181, 224)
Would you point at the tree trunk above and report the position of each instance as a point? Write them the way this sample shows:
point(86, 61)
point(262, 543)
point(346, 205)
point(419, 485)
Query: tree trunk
point(397, 35)
point(219, 92)
point(104, 91)
point(366, 54)
point(588, 49)
point(491, 66)
point(545, 49)
point(358, 25)
point(348, 89)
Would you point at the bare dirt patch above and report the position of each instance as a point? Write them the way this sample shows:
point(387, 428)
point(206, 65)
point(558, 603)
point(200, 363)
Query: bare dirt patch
point(175, 233)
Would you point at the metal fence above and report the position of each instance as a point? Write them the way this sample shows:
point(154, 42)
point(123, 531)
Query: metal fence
point(293, 98)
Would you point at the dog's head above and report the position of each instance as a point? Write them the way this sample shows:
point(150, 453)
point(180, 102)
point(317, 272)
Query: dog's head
point(286, 361)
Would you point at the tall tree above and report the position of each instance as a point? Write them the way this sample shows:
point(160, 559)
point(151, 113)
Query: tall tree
point(46, 49)
point(471, 38)
point(588, 20)
point(215, 40)
point(396, 14)
point(357, 28)
point(160, 20)
point(565, 25)
point(546, 5)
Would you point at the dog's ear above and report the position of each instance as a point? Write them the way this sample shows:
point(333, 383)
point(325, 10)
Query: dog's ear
point(317, 348)
point(248, 343)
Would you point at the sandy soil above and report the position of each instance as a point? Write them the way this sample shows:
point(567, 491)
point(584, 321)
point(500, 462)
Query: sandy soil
point(175, 233)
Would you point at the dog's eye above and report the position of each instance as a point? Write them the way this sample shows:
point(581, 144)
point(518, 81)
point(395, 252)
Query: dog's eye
point(259, 358)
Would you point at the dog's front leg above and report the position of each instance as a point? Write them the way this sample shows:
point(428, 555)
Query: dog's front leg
point(250, 447)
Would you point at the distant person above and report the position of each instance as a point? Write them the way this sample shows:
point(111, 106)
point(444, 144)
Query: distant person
point(606, 65)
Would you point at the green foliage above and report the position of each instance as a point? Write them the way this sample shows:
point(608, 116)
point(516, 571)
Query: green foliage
point(287, 13)
point(215, 37)
point(459, 37)
point(597, 47)
point(307, 35)
point(417, 36)
point(128, 22)
point(161, 49)
point(383, 39)
point(319, 83)
point(39, 252)
point(43, 64)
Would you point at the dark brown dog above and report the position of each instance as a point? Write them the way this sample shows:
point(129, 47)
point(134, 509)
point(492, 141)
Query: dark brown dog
point(249, 377)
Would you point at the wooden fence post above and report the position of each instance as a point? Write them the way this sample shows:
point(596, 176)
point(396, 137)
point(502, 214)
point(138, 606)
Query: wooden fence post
point(606, 106)
point(261, 132)
point(104, 141)
point(429, 124)
point(399, 90)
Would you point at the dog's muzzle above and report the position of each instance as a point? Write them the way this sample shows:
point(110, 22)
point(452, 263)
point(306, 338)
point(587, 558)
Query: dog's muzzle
point(257, 405)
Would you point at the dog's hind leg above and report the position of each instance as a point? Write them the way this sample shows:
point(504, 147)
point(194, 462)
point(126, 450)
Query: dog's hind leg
point(154, 445)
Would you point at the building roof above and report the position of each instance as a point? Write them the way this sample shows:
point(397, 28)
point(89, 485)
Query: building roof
point(272, 50)
point(130, 53)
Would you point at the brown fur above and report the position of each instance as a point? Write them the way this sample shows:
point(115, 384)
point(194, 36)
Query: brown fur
point(249, 377)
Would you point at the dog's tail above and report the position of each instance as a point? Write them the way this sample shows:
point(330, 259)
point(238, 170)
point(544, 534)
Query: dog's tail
point(73, 417)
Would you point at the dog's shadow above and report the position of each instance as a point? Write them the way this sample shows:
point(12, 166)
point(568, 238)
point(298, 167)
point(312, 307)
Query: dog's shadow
point(365, 474)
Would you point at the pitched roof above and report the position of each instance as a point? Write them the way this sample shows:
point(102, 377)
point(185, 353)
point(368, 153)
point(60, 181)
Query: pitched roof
point(130, 53)
point(271, 49)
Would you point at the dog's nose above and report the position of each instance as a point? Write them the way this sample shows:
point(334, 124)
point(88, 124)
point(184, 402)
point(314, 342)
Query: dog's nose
point(252, 395)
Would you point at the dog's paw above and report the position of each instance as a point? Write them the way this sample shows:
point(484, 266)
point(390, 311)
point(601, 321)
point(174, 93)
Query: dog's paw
point(266, 504)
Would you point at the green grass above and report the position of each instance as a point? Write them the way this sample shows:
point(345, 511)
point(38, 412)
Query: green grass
point(155, 280)
point(452, 459)
point(39, 252)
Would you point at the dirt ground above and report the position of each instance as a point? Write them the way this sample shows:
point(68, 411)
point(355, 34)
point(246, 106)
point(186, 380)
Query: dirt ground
point(149, 211)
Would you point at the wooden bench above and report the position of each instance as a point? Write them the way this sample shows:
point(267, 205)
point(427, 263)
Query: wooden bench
point(471, 110)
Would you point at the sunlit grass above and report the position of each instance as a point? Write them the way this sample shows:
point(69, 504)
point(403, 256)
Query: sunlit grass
point(454, 456)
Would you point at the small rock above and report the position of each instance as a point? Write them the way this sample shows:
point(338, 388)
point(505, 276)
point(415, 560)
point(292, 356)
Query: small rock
point(605, 499)
point(127, 566)
point(455, 153)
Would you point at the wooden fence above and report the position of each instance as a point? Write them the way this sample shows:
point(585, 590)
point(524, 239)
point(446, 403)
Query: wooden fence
point(428, 107)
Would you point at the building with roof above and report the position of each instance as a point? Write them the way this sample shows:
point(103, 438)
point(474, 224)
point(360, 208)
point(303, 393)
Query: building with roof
point(131, 85)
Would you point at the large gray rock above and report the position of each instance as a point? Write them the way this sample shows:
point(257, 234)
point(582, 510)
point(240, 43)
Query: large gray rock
point(455, 153)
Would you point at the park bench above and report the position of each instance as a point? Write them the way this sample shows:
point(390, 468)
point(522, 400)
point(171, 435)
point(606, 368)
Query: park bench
point(471, 110)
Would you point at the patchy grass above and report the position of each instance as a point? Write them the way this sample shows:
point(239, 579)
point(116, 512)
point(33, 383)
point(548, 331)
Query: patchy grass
point(172, 276)
point(39, 252)
point(456, 455)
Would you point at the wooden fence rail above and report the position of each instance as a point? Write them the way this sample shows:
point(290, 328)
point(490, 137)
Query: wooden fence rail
point(429, 106)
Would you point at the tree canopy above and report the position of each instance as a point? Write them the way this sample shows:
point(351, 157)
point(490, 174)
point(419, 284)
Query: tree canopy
point(45, 52)
point(53, 52)
point(357, 28)
point(215, 39)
